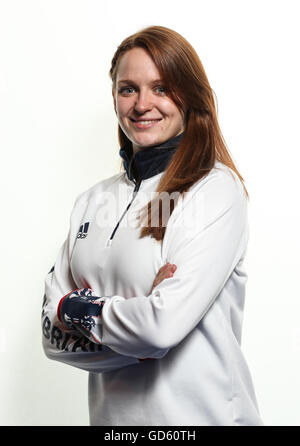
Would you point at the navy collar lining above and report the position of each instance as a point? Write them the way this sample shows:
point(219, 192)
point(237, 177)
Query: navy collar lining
point(149, 161)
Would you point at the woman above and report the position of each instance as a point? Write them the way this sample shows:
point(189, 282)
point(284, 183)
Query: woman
point(147, 292)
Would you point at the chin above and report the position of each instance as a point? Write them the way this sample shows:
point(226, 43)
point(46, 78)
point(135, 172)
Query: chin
point(148, 141)
point(147, 144)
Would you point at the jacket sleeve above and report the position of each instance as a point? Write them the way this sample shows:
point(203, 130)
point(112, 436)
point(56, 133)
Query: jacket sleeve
point(206, 237)
point(67, 344)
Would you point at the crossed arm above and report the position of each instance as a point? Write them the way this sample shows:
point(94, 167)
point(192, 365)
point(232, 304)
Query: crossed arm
point(148, 326)
point(81, 309)
point(72, 341)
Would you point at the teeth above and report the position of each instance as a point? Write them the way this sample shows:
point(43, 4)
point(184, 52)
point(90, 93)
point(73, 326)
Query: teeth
point(146, 122)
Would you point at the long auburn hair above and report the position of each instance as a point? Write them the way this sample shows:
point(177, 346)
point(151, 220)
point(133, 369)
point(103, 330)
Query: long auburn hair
point(187, 85)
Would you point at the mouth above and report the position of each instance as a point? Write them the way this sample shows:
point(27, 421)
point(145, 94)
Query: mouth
point(145, 124)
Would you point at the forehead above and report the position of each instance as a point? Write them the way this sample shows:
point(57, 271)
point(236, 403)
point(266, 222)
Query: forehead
point(136, 64)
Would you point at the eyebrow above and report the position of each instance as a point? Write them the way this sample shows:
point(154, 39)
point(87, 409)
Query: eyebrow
point(129, 81)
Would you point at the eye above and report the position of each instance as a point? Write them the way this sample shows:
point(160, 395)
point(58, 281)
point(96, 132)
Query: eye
point(126, 90)
point(160, 89)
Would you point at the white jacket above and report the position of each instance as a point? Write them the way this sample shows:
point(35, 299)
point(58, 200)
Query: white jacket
point(190, 324)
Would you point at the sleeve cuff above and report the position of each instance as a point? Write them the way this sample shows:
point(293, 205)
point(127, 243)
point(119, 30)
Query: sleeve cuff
point(60, 304)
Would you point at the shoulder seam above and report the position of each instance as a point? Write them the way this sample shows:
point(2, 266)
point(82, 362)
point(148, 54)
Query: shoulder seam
point(201, 184)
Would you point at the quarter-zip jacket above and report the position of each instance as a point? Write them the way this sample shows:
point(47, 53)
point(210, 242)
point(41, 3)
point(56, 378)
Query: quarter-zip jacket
point(99, 314)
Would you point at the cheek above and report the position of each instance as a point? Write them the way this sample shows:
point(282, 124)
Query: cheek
point(122, 106)
point(169, 109)
point(175, 117)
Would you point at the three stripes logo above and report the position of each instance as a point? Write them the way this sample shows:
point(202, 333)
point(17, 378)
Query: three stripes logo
point(82, 233)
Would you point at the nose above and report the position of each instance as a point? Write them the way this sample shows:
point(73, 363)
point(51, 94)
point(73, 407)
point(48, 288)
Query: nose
point(143, 102)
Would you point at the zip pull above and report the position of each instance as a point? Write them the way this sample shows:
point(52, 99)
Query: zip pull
point(137, 186)
point(135, 191)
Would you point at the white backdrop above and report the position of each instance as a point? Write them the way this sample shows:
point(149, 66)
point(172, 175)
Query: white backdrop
point(58, 136)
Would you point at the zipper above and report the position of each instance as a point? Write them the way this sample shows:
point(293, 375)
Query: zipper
point(135, 191)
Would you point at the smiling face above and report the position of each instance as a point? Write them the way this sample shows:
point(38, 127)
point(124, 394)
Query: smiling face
point(145, 113)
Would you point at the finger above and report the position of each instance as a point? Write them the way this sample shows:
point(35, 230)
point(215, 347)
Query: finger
point(167, 265)
point(171, 268)
point(165, 274)
point(162, 273)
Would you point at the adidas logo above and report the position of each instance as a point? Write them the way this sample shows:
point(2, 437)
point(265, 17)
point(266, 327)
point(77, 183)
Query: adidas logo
point(82, 233)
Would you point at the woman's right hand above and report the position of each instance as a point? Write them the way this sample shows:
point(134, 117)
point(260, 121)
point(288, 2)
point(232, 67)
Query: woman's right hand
point(164, 272)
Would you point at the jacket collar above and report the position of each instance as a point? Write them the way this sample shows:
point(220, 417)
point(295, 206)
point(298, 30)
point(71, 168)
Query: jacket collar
point(149, 161)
